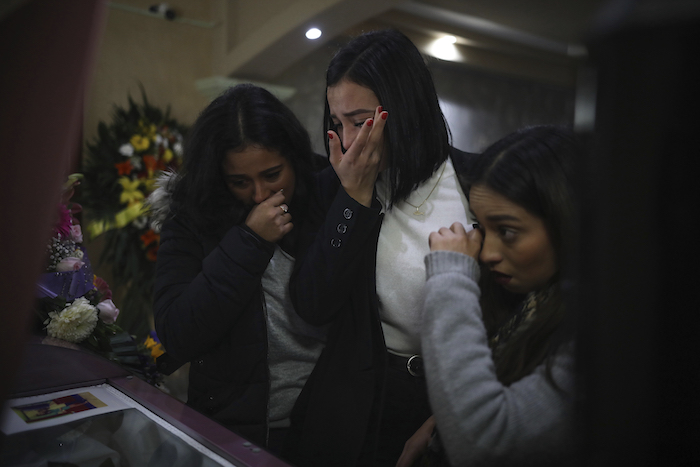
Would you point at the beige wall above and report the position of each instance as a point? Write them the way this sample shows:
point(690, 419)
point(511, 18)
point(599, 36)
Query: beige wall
point(166, 57)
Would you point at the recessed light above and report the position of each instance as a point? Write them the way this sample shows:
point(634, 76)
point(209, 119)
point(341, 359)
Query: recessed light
point(313, 33)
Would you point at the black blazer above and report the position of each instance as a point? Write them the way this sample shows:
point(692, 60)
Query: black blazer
point(334, 282)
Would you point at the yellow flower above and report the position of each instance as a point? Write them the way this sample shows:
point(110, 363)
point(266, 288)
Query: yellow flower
point(167, 156)
point(156, 348)
point(131, 193)
point(140, 143)
point(149, 131)
point(149, 183)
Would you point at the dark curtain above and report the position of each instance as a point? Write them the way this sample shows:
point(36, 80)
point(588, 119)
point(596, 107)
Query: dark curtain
point(47, 53)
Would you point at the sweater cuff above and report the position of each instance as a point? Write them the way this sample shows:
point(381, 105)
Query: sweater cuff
point(440, 262)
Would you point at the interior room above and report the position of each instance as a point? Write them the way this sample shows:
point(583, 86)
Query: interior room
point(620, 74)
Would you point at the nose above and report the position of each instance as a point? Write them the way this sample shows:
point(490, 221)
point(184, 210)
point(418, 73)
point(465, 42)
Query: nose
point(490, 254)
point(348, 136)
point(261, 193)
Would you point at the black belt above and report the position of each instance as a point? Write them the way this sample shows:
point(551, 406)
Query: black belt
point(413, 364)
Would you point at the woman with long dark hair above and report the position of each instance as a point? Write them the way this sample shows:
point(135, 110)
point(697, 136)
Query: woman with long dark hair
point(496, 339)
point(226, 253)
point(393, 181)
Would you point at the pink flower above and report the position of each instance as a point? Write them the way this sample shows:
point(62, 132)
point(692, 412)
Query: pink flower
point(70, 263)
point(108, 311)
point(76, 233)
point(65, 221)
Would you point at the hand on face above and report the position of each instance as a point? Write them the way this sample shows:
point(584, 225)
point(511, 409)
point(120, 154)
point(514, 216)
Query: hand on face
point(359, 167)
point(358, 126)
point(270, 218)
point(456, 238)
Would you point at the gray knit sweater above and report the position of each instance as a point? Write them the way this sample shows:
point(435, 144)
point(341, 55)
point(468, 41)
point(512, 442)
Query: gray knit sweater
point(481, 421)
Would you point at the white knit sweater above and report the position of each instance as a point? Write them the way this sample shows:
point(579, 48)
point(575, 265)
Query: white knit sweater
point(403, 242)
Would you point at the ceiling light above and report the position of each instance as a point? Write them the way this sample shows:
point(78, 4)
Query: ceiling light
point(445, 49)
point(313, 33)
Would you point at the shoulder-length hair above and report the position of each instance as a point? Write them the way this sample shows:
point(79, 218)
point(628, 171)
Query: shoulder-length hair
point(416, 134)
point(533, 168)
point(242, 116)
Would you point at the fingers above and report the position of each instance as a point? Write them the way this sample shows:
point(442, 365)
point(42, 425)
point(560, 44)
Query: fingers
point(458, 228)
point(454, 238)
point(475, 235)
point(271, 218)
point(275, 199)
point(376, 134)
point(371, 138)
point(334, 146)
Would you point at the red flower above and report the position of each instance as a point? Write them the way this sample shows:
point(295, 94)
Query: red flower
point(149, 237)
point(102, 287)
point(124, 168)
point(150, 162)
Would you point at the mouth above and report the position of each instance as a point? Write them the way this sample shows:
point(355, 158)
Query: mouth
point(500, 278)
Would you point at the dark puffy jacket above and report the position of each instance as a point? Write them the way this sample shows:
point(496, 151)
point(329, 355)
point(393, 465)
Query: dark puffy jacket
point(208, 311)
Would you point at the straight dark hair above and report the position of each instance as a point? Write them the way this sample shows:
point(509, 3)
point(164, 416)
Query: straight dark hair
point(416, 134)
point(242, 116)
point(533, 168)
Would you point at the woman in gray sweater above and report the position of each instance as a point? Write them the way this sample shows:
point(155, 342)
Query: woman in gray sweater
point(497, 346)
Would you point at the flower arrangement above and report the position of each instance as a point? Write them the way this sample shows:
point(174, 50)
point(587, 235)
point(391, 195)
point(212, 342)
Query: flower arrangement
point(74, 306)
point(120, 168)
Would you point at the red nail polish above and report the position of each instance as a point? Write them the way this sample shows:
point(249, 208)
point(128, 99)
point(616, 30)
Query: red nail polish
point(385, 115)
point(380, 109)
point(370, 122)
point(330, 135)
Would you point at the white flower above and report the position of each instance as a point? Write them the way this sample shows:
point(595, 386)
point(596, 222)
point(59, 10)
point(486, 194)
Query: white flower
point(140, 222)
point(108, 311)
point(136, 163)
point(74, 323)
point(158, 139)
point(177, 148)
point(126, 150)
point(78, 253)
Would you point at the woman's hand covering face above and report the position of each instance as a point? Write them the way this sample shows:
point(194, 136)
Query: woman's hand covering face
point(358, 127)
point(359, 167)
point(270, 218)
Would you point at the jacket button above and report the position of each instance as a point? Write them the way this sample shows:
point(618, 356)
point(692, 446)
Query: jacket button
point(335, 242)
point(200, 362)
point(342, 228)
point(347, 213)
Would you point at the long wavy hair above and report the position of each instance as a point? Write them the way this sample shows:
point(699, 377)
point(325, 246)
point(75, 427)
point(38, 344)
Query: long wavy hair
point(533, 168)
point(416, 135)
point(241, 116)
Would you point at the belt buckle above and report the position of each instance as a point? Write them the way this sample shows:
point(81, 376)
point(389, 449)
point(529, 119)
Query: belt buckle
point(414, 365)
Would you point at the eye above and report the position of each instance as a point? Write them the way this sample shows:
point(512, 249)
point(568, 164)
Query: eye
point(273, 176)
point(508, 234)
point(236, 183)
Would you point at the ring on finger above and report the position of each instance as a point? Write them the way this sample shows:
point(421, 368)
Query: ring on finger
point(284, 208)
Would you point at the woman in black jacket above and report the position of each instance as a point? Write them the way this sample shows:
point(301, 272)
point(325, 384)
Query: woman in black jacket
point(227, 249)
point(394, 179)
